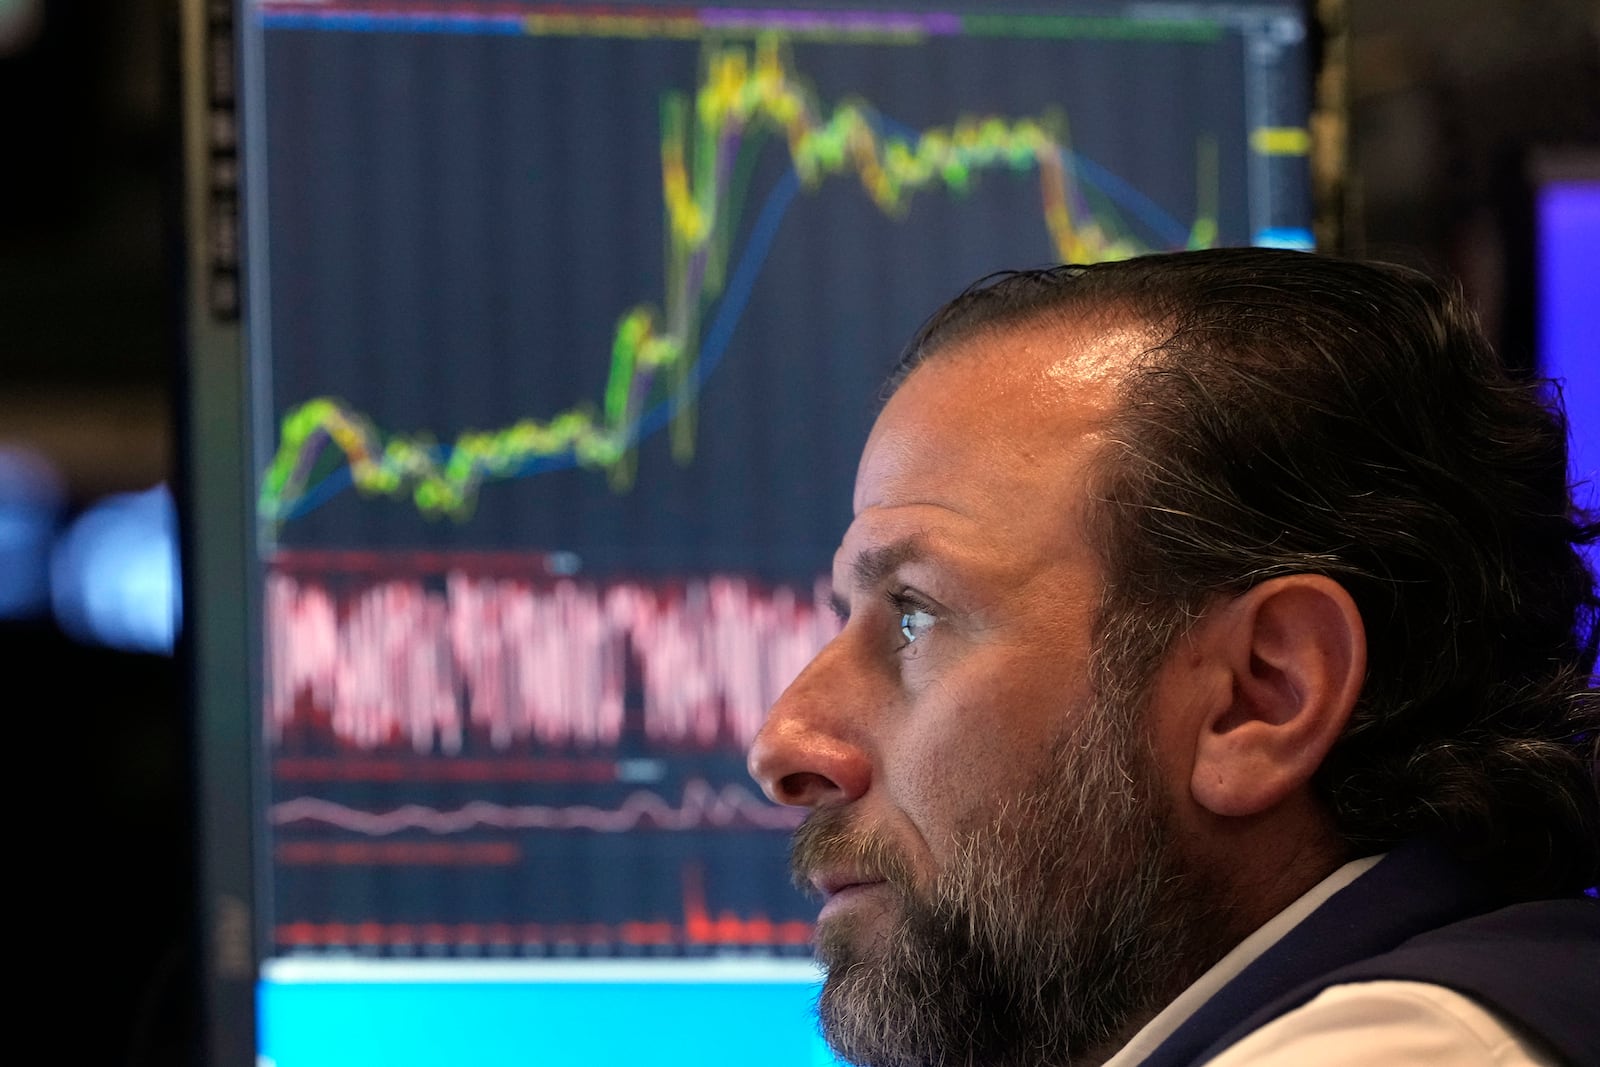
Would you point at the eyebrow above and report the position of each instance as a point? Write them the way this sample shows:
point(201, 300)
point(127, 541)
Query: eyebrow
point(872, 565)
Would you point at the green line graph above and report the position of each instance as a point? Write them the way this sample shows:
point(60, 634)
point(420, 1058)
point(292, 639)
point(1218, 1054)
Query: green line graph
point(747, 97)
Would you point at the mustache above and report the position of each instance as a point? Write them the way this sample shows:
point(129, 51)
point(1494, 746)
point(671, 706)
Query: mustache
point(831, 839)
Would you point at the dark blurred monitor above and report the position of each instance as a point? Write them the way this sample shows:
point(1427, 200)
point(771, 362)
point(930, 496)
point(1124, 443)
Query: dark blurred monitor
point(532, 350)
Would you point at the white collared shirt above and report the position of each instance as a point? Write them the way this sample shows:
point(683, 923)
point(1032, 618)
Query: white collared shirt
point(1355, 1025)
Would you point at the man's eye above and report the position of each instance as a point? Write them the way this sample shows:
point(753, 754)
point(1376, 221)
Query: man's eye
point(915, 622)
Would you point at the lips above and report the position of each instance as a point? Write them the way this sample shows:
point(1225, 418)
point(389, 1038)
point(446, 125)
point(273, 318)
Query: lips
point(842, 891)
point(830, 884)
point(836, 857)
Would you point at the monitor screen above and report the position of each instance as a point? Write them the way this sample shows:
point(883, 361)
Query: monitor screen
point(1567, 317)
point(533, 349)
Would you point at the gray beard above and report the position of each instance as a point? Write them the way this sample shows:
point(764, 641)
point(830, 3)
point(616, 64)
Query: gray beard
point(1054, 931)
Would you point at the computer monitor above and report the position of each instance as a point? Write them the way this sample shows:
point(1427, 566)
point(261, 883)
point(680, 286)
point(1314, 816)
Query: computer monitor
point(1566, 194)
point(532, 348)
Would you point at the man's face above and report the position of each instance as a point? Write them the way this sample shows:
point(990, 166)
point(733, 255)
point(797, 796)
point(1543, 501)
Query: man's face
point(987, 831)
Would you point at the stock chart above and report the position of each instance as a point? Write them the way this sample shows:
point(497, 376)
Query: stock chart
point(575, 319)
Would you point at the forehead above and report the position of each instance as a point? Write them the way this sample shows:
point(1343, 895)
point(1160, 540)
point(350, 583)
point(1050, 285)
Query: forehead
point(989, 440)
point(1025, 400)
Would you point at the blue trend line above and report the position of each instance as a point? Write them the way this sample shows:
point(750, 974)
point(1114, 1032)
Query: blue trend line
point(1169, 229)
point(317, 495)
point(712, 350)
point(732, 306)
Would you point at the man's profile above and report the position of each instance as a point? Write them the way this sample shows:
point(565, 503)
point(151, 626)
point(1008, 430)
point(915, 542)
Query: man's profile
point(1214, 685)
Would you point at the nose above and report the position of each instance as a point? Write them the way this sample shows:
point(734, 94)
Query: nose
point(811, 751)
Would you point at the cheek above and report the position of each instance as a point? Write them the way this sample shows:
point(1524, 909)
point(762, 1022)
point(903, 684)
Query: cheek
point(971, 746)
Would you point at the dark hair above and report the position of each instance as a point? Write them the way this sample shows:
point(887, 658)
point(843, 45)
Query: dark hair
point(1300, 413)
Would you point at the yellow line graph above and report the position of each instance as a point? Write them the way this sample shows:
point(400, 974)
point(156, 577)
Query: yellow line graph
point(746, 95)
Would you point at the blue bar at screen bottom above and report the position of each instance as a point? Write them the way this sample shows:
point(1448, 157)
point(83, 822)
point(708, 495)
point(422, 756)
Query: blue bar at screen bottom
point(535, 1024)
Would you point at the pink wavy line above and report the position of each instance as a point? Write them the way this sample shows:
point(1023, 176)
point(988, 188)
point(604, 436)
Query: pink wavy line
point(700, 807)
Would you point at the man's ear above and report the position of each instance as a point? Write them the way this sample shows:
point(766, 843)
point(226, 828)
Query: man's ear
point(1295, 652)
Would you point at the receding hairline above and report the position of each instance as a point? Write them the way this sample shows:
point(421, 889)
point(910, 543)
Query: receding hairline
point(1136, 336)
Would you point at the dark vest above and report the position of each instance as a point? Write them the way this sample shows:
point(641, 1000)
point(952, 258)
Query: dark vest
point(1418, 916)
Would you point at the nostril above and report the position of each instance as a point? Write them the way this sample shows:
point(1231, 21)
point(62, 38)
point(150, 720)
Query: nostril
point(805, 789)
point(793, 788)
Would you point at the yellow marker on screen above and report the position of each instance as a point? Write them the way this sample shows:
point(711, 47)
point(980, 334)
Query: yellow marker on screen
point(1280, 140)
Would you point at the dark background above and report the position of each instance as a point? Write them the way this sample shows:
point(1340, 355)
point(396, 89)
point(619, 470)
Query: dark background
point(1448, 99)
